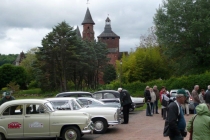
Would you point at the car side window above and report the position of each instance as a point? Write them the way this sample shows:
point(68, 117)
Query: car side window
point(34, 109)
point(108, 96)
point(14, 110)
point(72, 95)
point(98, 96)
point(85, 95)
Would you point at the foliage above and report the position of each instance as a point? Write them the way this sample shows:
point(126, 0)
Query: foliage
point(12, 86)
point(33, 84)
point(10, 73)
point(65, 58)
point(109, 74)
point(187, 82)
point(7, 59)
point(28, 64)
point(183, 31)
point(145, 64)
point(31, 91)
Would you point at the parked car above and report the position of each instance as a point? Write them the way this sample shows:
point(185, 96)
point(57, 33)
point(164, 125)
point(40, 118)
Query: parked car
point(101, 117)
point(36, 118)
point(103, 95)
point(92, 102)
point(173, 94)
point(75, 94)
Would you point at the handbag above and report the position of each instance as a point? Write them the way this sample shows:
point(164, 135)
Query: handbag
point(191, 130)
point(164, 102)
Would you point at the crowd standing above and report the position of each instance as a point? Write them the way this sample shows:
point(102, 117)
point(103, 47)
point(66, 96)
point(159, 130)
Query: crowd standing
point(173, 112)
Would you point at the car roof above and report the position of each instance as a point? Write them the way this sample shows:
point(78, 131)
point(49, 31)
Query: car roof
point(107, 91)
point(74, 92)
point(60, 98)
point(24, 101)
point(86, 98)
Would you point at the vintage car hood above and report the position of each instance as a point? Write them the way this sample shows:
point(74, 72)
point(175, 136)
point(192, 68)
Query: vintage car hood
point(137, 99)
point(67, 113)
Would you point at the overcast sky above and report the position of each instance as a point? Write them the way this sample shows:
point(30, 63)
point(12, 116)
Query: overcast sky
point(24, 23)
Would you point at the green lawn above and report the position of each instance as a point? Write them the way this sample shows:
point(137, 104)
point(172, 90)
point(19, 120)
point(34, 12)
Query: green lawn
point(145, 106)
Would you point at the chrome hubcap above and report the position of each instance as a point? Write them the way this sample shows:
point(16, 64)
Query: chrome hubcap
point(99, 125)
point(71, 135)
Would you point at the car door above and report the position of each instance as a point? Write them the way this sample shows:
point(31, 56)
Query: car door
point(36, 121)
point(12, 121)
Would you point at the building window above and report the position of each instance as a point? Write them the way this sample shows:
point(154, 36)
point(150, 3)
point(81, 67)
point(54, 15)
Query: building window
point(107, 38)
point(113, 37)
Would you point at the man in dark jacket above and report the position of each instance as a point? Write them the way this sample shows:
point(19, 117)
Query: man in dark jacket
point(7, 98)
point(147, 97)
point(175, 124)
point(125, 100)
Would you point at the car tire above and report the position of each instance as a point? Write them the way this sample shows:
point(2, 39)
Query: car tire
point(100, 126)
point(2, 137)
point(71, 133)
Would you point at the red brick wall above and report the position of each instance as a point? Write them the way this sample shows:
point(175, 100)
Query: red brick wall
point(88, 33)
point(112, 43)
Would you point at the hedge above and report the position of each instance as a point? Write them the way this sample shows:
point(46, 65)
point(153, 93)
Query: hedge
point(187, 82)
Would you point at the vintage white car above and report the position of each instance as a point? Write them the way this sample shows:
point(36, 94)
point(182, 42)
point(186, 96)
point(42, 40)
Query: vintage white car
point(102, 117)
point(36, 118)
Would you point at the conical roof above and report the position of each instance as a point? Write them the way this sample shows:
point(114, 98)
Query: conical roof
point(78, 32)
point(108, 30)
point(88, 18)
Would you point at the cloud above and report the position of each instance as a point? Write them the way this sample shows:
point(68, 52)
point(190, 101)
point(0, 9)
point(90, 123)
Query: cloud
point(21, 39)
point(22, 19)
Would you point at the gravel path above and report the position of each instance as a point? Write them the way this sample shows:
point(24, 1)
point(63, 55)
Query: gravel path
point(140, 127)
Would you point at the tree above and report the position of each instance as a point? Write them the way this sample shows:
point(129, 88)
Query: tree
point(28, 64)
point(57, 56)
point(109, 74)
point(65, 58)
point(183, 31)
point(7, 59)
point(10, 73)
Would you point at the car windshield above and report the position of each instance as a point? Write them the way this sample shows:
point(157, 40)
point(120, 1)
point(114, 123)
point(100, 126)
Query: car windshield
point(49, 106)
point(66, 104)
point(80, 103)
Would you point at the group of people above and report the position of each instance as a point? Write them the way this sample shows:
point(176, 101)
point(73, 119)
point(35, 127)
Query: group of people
point(198, 126)
point(152, 96)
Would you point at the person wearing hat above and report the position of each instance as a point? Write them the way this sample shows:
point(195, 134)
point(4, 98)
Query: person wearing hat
point(125, 100)
point(175, 124)
point(7, 97)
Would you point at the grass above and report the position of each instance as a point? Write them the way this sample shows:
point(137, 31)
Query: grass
point(145, 106)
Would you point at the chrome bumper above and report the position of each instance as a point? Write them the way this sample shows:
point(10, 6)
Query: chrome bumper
point(89, 128)
point(113, 122)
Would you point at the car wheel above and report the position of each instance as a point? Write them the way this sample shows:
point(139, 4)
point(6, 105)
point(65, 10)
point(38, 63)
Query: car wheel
point(2, 137)
point(100, 126)
point(71, 133)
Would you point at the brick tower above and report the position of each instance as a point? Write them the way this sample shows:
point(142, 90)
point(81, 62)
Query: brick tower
point(88, 32)
point(112, 41)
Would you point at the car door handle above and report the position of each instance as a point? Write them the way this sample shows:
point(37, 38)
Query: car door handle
point(27, 116)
